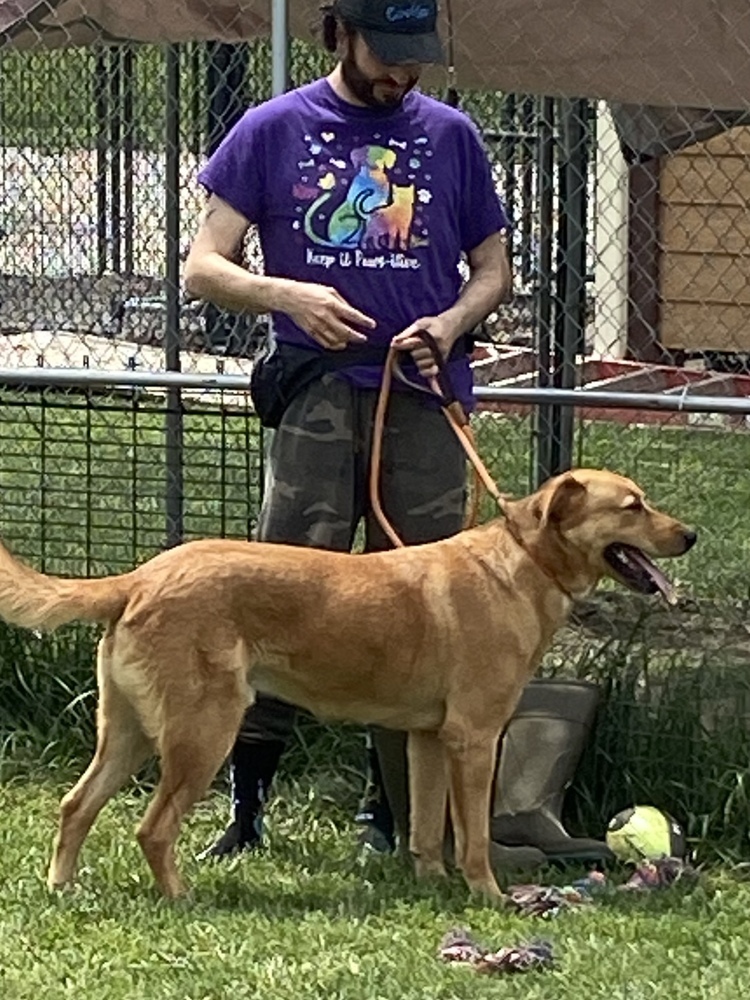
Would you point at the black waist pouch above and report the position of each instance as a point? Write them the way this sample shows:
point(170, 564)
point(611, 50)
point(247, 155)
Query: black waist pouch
point(283, 370)
point(279, 373)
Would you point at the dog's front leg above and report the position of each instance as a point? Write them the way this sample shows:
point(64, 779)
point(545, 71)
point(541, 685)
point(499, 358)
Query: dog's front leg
point(471, 759)
point(428, 796)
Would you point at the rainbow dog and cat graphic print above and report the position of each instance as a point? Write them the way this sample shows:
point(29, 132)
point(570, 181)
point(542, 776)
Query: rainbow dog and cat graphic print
point(370, 198)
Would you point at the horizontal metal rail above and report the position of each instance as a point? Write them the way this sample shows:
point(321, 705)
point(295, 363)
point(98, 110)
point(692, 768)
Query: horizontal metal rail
point(681, 402)
point(127, 378)
point(88, 378)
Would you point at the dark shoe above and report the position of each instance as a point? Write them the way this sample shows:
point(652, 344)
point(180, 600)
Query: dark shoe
point(231, 843)
point(253, 766)
point(373, 840)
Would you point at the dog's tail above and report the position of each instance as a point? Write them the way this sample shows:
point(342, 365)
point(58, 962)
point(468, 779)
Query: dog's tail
point(36, 601)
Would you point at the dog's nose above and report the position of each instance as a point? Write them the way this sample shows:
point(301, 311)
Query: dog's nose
point(691, 537)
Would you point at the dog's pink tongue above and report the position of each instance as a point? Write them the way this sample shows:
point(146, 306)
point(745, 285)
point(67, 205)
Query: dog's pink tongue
point(665, 585)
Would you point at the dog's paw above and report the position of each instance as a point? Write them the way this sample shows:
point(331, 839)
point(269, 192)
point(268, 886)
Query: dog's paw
point(425, 868)
point(487, 889)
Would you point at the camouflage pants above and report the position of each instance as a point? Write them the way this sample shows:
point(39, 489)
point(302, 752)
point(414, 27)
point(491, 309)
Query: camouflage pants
point(317, 488)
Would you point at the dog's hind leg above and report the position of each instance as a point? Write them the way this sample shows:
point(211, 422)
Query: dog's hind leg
point(428, 795)
point(193, 748)
point(122, 747)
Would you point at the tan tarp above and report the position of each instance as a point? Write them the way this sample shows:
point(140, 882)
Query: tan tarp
point(667, 52)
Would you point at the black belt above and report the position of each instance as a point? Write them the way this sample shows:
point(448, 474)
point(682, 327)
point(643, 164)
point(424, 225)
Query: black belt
point(279, 375)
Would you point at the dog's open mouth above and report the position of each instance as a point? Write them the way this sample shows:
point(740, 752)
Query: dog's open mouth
point(634, 568)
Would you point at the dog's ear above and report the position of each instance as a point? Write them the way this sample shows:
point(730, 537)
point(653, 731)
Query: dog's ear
point(561, 501)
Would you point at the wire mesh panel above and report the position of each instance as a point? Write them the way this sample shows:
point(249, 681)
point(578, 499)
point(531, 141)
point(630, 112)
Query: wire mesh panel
point(84, 477)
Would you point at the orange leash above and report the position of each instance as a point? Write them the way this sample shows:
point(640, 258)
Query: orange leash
point(456, 417)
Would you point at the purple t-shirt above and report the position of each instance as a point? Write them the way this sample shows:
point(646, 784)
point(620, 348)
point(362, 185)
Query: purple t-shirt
point(377, 203)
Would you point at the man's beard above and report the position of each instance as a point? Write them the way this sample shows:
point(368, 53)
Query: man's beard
point(364, 89)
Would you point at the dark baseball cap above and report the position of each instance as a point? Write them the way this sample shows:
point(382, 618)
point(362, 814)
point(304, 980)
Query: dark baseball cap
point(397, 31)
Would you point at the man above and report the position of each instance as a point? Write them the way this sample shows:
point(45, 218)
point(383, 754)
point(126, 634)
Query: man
point(366, 194)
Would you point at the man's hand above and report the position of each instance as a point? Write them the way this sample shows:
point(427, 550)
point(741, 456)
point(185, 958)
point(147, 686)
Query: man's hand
point(211, 273)
point(324, 314)
point(444, 333)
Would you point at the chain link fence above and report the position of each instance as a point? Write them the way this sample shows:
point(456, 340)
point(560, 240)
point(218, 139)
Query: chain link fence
point(629, 277)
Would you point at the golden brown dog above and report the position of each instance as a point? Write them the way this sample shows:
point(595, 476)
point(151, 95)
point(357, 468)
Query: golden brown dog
point(437, 639)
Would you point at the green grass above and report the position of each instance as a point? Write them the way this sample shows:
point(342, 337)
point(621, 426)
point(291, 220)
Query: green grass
point(308, 919)
point(83, 491)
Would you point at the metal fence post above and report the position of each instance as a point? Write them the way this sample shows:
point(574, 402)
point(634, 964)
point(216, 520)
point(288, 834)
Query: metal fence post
point(561, 320)
point(572, 300)
point(101, 96)
point(174, 416)
point(279, 46)
point(544, 425)
point(128, 152)
point(280, 81)
point(226, 74)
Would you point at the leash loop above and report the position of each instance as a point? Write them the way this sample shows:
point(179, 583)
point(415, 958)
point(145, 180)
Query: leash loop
point(439, 387)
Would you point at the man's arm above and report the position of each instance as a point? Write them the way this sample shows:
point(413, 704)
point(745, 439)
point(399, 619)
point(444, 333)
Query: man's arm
point(211, 274)
point(210, 270)
point(488, 286)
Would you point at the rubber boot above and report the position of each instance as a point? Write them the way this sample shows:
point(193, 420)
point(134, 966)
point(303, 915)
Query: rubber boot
point(391, 749)
point(252, 768)
point(539, 754)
